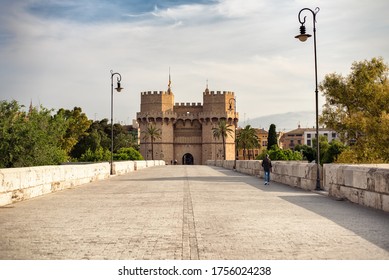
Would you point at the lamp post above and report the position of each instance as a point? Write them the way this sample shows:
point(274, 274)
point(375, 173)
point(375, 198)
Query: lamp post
point(303, 37)
point(118, 89)
point(230, 109)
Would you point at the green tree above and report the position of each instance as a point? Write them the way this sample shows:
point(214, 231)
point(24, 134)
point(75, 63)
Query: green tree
point(97, 155)
point(329, 152)
point(123, 138)
point(275, 153)
point(247, 139)
point(222, 130)
point(334, 150)
point(324, 146)
point(29, 139)
point(357, 107)
point(76, 123)
point(11, 125)
point(127, 154)
point(99, 135)
point(272, 137)
point(104, 130)
point(153, 134)
point(92, 142)
point(308, 152)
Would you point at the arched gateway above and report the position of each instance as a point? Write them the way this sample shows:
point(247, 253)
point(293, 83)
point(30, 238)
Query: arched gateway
point(187, 159)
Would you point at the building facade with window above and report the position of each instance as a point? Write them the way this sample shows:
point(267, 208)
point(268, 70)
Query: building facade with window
point(310, 134)
point(293, 138)
point(305, 136)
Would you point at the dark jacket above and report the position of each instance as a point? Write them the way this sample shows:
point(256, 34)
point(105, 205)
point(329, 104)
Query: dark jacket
point(266, 163)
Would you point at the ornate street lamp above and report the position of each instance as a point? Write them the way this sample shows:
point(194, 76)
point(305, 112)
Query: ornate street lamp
point(118, 89)
point(303, 37)
point(230, 109)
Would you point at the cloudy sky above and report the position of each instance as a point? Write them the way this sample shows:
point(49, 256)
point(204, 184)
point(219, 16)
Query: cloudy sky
point(59, 53)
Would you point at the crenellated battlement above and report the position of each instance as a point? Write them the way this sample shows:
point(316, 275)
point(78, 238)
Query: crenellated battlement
point(218, 92)
point(155, 92)
point(157, 101)
point(187, 104)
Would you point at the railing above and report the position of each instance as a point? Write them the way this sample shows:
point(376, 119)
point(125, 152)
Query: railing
point(366, 185)
point(17, 184)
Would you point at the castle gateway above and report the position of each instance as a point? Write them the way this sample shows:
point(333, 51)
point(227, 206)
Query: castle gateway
point(185, 129)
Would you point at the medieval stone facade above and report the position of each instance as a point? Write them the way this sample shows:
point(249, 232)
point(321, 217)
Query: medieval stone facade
point(185, 129)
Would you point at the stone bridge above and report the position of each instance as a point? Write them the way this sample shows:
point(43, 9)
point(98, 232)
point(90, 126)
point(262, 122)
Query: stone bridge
point(190, 213)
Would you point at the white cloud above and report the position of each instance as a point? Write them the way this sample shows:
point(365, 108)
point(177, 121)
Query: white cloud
point(238, 8)
point(242, 46)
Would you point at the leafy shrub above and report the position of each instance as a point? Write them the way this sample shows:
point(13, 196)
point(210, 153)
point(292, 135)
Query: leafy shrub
point(275, 153)
point(127, 154)
point(99, 154)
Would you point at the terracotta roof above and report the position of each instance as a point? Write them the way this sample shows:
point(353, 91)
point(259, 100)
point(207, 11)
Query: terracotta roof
point(297, 131)
point(302, 130)
point(260, 130)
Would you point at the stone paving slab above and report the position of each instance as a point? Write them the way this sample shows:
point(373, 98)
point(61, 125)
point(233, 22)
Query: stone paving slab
point(190, 212)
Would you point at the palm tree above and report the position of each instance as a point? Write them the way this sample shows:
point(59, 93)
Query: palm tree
point(247, 139)
point(222, 130)
point(153, 133)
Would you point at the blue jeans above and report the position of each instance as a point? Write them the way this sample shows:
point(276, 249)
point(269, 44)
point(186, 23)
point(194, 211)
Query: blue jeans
point(267, 176)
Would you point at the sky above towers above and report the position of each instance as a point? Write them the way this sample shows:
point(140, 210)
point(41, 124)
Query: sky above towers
point(59, 53)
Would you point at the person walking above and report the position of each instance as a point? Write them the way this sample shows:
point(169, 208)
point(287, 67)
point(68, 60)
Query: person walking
point(267, 167)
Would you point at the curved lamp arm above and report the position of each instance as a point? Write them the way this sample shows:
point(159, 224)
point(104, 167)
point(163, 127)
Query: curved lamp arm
point(303, 36)
point(119, 78)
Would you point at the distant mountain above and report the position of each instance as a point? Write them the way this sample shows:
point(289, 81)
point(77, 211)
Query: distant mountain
point(284, 122)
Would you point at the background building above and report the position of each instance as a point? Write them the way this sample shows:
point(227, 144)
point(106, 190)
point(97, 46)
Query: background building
point(305, 136)
point(293, 138)
point(310, 134)
point(186, 128)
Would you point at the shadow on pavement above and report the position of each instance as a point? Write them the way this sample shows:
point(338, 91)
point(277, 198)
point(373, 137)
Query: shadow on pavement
point(370, 224)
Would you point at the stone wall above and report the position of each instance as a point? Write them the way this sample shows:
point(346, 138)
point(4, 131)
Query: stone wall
point(123, 167)
point(292, 173)
point(17, 184)
point(366, 185)
point(298, 174)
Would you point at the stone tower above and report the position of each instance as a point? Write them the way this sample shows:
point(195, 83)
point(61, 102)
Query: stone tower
point(186, 128)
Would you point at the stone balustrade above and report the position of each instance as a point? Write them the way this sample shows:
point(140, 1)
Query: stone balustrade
point(17, 184)
point(366, 185)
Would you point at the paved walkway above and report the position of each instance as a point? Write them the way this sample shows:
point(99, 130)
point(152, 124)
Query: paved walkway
point(190, 212)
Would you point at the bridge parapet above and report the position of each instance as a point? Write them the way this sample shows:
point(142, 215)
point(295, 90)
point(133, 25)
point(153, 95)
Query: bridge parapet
point(366, 185)
point(17, 184)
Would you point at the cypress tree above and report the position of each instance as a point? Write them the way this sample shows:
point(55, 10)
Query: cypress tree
point(272, 137)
